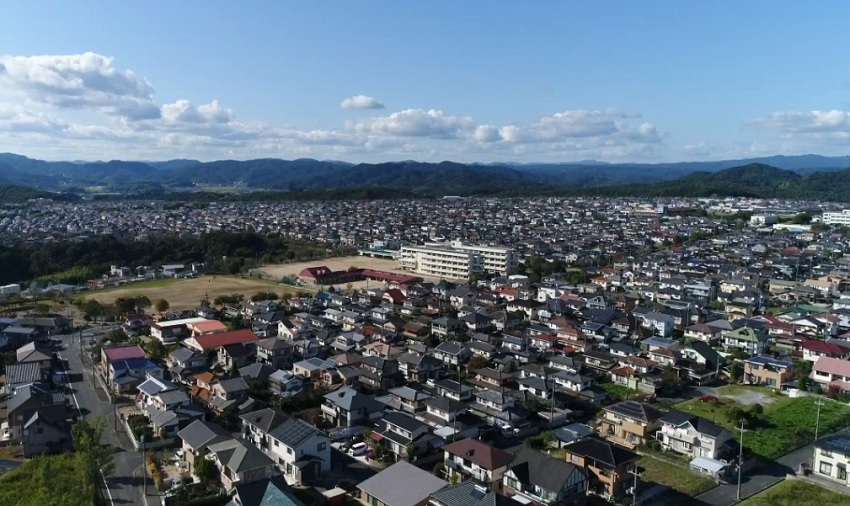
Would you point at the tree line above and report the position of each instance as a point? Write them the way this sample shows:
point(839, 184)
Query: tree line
point(73, 261)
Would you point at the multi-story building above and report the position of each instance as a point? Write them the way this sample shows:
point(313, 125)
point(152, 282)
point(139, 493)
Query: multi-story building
point(457, 260)
point(768, 371)
point(692, 435)
point(837, 218)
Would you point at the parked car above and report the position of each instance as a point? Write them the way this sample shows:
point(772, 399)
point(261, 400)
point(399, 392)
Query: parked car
point(357, 449)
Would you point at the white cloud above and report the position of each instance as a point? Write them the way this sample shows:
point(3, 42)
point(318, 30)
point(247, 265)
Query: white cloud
point(361, 102)
point(486, 133)
point(609, 124)
point(417, 123)
point(817, 123)
point(182, 111)
point(14, 119)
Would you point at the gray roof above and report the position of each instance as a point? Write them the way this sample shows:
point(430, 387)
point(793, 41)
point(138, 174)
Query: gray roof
point(634, 410)
point(264, 419)
point(293, 431)
point(548, 473)
point(403, 420)
point(410, 394)
point(350, 399)
point(200, 433)
point(256, 370)
point(702, 425)
point(17, 374)
point(181, 354)
point(233, 384)
point(174, 396)
point(265, 492)
point(470, 493)
point(36, 394)
point(240, 456)
point(402, 484)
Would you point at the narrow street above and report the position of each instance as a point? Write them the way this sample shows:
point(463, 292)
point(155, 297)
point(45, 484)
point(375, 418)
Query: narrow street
point(124, 485)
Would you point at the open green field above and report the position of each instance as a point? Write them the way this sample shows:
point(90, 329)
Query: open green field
point(54, 479)
point(787, 424)
point(187, 293)
point(679, 478)
point(619, 392)
point(796, 493)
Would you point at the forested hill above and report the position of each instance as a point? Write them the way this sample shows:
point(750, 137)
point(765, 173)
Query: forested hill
point(754, 180)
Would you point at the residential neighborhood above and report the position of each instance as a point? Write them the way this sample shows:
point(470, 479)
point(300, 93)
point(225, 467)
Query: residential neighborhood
point(617, 363)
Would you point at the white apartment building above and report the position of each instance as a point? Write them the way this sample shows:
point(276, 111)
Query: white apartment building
point(837, 218)
point(457, 260)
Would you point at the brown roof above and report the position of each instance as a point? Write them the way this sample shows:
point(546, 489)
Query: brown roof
point(479, 453)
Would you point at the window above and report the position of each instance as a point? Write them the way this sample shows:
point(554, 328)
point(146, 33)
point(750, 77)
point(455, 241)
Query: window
point(825, 468)
point(289, 450)
point(321, 447)
point(276, 443)
point(842, 472)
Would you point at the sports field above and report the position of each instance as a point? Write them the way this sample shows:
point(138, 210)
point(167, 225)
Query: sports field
point(278, 271)
point(187, 293)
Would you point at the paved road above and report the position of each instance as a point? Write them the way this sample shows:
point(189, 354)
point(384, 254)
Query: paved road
point(774, 472)
point(124, 485)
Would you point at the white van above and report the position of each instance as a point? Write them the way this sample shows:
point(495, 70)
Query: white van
point(357, 449)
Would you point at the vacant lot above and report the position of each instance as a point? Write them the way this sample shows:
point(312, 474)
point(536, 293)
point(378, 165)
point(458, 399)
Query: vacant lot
point(187, 293)
point(785, 425)
point(677, 477)
point(278, 271)
point(796, 493)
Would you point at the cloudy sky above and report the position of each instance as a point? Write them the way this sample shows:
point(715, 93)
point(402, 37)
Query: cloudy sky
point(443, 80)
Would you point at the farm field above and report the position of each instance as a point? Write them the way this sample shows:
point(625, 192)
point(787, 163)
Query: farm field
point(677, 477)
point(796, 493)
point(277, 271)
point(785, 425)
point(187, 293)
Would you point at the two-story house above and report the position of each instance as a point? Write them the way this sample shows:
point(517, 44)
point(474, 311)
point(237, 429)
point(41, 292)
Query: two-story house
point(445, 328)
point(197, 437)
point(747, 339)
point(275, 352)
point(692, 435)
point(379, 373)
point(346, 407)
point(832, 458)
point(607, 465)
point(452, 354)
point(300, 450)
point(831, 371)
point(238, 462)
point(183, 363)
point(543, 480)
point(227, 394)
point(812, 350)
point(768, 371)
point(628, 423)
point(418, 367)
point(399, 431)
point(454, 390)
point(410, 400)
point(471, 458)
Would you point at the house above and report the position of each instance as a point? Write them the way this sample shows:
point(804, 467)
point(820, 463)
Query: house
point(746, 338)
point(239, 462)
point(196, 438)
point(227, 394)
point(183, 363)
point(832, 458)
point(233, 356)
point(401, 484)
point(264, 492)
point(608, 466)
point(399, 431)
point(37, 353)
point(18, 375)
point(812, 350)
point(379, 373)
point(123, 368)
point(274, 352)
point(408, 399)
point(543, 480)
point(454, 390)
point(767, 371)
point(471, 458)
point(702, 332)
point(692, 435)
point(285, 383)
point(207, 342)
point(661, 324)
point(828, 371)
point(444, 327)
point(452, 354)
point(418, 367)
point(628, 423)
point(171, 331)
point(312, 368)
point(346, 407)
point(470, 493)
point(300, 450)
point(36, 417)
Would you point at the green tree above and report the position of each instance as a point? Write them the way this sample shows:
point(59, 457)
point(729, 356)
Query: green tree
point(155, 349)
point(97, 458)
point(205, 470)
point(161, 305)
point(736, 372)
point(92, 310)
point(142, 303)
point(477, 362)
point(124, 305)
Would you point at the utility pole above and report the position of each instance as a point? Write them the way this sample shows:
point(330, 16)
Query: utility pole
point(740, 460)
point(818, 403)
point(144, 470)
point(552, 405)
point(636, 474)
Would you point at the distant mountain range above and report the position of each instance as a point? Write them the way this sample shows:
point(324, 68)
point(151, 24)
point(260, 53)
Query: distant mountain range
point(808, 176)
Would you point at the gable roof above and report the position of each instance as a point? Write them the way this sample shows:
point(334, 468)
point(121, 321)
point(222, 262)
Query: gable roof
point(294, 431)
point(548, 473)
point(123, 353)
point(240, 457)
point(634, 410)
point(209, 341)
point(200, 433)
point(832, 366)
point(402, 484)
point(480, 453)
point(601, 451)
point(470, 493)
point(702, 425)
point(265, 492)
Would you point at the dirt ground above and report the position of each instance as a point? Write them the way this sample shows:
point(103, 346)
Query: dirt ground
point(187, 293)
point(748, 398)
point(278, 271)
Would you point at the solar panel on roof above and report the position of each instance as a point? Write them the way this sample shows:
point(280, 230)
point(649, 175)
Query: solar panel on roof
point(842, 444)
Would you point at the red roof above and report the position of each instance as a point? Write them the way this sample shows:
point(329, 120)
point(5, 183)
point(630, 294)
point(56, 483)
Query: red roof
point(484, 455)
point(315, 272)
point(210, 341)
point(123, 353)
point(824, 347)
point(832, 366)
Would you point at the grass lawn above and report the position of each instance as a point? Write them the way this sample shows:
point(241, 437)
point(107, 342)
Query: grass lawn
point(619, 392)
point(679, 478)
point(54, 479)
point(796, 493)
point(787, 424)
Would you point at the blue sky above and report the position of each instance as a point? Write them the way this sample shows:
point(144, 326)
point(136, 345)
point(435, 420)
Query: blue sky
point(467, 81)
